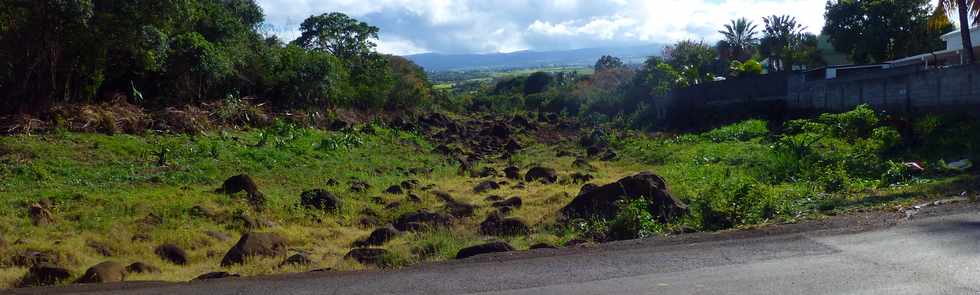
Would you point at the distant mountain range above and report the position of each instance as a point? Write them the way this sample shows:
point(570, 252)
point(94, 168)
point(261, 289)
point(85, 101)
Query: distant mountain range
point(436, 62)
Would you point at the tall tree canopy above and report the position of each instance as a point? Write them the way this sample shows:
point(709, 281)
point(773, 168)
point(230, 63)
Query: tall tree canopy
point(338, 34)
point(967, 11)
point(880, 30)
point(786, 45)
point(740, 38)
point(695, 60)
point(607, 62)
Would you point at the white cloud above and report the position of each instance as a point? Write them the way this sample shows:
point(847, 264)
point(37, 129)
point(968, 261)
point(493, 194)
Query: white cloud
point(454, 26)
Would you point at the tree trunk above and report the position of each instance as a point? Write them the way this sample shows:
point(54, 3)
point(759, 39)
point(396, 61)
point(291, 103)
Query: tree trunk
point(963, 10)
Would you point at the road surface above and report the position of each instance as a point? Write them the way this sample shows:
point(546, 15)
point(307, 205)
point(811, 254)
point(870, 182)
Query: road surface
point(934, 252)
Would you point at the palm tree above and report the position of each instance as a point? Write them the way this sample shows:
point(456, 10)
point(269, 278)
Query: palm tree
point(965, 9)
point(780, 35)
point(740, 35)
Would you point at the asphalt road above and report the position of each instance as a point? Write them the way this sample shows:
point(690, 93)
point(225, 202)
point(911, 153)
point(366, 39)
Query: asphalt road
point(935, 252)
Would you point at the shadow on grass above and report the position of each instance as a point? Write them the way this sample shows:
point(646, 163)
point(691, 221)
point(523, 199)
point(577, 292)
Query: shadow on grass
point(952, 186)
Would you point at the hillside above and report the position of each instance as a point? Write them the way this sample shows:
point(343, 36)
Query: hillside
point(435, 62)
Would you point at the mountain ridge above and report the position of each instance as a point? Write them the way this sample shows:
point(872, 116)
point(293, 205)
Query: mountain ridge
point(436, 62)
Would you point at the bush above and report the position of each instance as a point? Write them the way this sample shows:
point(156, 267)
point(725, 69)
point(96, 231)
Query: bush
point(634, 221)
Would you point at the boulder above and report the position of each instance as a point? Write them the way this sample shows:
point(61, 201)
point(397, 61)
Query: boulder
point(240, 183)
point(367, 221)
point(513, 146)
point(496, 225)
point(409, 184)
point(485, 172)
point(493, 198)
point(216, 275)
point(378, 237)
point(492, 247)
point(512, 172)
point(413, 198)
point(200, 211)
point(581, 177)
point(255, 244)
point(100, 248)
point(372, 256)
point(105, 272)
point(486, 186)
point(415, 221)
point(601, 201)
point(513, 202)
point(394, 190)
point(608, 155)
point(30, 258)
point(581, 163)
point(297, 259)
point(499, 130)
point(172, 253)
point(588, 187)
point(319, 199)
point(44, 274)
point(564, 153)
point(359, 186)
point(542, 174)
point(331, 182)
point(455, 208)
point(140, 267)
point(39, 214)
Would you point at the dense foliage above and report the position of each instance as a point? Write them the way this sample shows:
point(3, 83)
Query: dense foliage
point(170, 52)
point(876, 30)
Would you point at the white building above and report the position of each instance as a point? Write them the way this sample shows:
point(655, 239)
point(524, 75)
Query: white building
point(952, 55)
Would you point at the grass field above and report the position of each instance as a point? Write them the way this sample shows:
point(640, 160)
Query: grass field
point(108, 189)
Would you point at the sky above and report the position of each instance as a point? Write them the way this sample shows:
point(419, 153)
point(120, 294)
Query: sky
point(489, 26)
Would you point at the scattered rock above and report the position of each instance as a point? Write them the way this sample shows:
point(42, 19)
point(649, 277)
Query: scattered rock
point(493, 198)
point(588, 187)
point(29, 258)
point(608, 155)
point(512, 172)
point(140, 237)
point(419, 171)
point(140, 267)
point(172, 253)
point(519, 185)
point(501, 226)
point(542, 174)
point(485, 172)
point(420, 220)
point(44, 274)
point(242, 182)
point(564, 153)
point(368, 221)
point(409, 184)
point(601, 202)
point(582, 164)
point(393, 205)
point(513, 202)
point(413, 198)
point(255, 244)
point(394, 190)
point(542, 246)
point(359, 186)
point(513, 146)
point(247, 222)
point(319, 199)
point(332, 182)
point(40, 215)
point(456, 208)
point(297, 259)
point(492, 247)
point(378, 237)
point(593, 151)
point(486, 186)
point(216, 275)
point(371, 256)
point(499, 130)
point(105, 272)
point(581, 177)
point(377, 200)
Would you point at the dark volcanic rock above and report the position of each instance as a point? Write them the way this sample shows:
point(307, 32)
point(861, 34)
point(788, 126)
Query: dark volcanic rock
point(492, 247)
point(512, 172)
point(240, 183)
point(172, 253)
point(255, 244)
point(513, 202)
point(542, 174)
point(455, 208)
point(394, 190)
point(297, 259)
point(501, 226)
point(319, 199)
point(486, 186)
point(582, 164)
point(373, 256)
point(420, 220)
point(39, 214)
point(581, 177)
point(409, 184)
point(601, 202)
point(588, 187)
point(216, 275)
point(105, 272)
point(378, 237)
point(44, 274)
point(140, 267)
point(359, 186)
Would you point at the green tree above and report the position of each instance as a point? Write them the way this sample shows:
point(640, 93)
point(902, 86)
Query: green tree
point(785, 44)
point(607, 62)
point(412, 86)
point(695, 60)
point(338, 34)
point(537, 82)
point(880, 30)
point(965, 9)
point(740, 37)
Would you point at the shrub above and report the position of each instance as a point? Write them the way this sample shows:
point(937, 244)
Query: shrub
point(633, 221)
